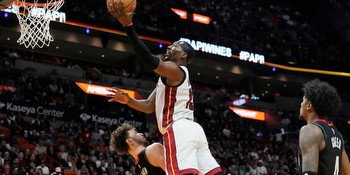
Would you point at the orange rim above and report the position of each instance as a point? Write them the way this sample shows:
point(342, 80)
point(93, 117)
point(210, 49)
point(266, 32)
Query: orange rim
point(28, 4)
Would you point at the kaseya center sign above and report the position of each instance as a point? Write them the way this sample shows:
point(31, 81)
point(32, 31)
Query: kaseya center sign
point(67, 114)
point(31, 109)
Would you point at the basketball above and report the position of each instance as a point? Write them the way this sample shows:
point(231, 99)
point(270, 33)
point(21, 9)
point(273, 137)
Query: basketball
point(128, 5)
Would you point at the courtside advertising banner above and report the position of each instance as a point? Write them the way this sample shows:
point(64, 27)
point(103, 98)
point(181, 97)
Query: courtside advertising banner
point(103, 118)
point(68, 114)
point(31, 109)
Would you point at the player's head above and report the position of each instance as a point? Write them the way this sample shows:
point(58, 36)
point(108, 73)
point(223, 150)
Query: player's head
point(125, 137)
point(180, 50)
point(321, 98)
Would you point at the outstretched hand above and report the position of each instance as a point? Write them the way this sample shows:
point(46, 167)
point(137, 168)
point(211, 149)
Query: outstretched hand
point(118, 95)
point(116, 10)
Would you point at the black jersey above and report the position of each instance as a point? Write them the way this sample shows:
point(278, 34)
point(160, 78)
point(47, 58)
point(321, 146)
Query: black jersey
point(143, 167)
point(331, 157)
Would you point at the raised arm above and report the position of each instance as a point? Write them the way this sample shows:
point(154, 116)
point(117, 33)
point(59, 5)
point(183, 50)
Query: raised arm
point(143, 105)
point(310, 139)
point(167, 69)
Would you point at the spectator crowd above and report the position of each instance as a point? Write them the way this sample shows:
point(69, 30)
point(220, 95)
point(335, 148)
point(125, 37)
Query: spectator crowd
point(279, 30)
point(44, 145)
point(47, 145)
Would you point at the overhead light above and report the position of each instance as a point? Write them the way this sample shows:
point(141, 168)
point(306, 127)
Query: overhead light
point(80, 51)
point(102, 55)
point(200, 18)
point(57, 47)
point(182, 13)
point(198, 73)
point(87, 30)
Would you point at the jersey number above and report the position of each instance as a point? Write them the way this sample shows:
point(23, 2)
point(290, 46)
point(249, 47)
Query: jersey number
point(189, 104)
point(336, 168)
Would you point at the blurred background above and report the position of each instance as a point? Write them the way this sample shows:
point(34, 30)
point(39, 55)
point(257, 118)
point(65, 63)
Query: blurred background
point(252, 58)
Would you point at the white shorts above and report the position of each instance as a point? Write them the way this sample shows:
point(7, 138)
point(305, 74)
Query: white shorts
point(187, 151)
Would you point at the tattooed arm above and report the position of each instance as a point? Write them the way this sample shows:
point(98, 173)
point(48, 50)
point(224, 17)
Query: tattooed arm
point(311, 142)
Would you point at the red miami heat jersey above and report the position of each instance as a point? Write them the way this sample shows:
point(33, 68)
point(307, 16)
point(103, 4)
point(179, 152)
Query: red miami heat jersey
point(173, 102)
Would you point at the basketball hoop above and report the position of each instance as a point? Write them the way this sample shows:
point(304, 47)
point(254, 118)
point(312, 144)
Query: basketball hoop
point(34, 19)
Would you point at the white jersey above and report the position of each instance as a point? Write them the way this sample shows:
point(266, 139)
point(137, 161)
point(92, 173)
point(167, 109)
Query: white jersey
point(173, 102)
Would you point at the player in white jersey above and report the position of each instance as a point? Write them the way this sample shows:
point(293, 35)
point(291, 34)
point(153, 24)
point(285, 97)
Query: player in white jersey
point(173, 103)
point(186, 146)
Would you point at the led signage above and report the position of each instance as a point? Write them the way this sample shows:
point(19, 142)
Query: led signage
point(209, 48)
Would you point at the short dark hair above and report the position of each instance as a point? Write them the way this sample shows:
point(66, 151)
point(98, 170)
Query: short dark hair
point(119, 136)
point(188, 49)
point(323, 96)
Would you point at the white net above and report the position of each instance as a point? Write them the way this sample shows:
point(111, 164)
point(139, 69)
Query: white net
point(34, 19)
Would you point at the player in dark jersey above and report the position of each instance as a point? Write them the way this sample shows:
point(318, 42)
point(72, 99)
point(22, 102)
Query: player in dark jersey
point(321, 144)
point(149, 159)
